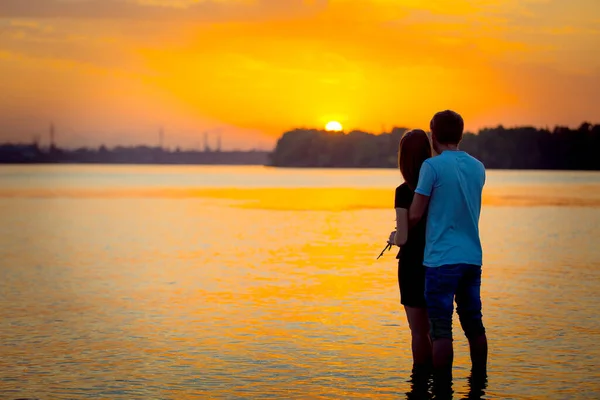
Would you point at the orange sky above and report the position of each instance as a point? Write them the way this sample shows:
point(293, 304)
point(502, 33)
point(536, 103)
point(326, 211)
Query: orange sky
point(113, 71)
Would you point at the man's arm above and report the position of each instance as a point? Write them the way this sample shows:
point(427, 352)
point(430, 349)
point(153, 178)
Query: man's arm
point(417, 209)
point(427, 180)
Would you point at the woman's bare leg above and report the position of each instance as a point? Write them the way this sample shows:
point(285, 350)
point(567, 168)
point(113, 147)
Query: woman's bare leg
point(419, 329)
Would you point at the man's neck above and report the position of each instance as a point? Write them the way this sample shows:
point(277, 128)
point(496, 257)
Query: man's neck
point(449, 147)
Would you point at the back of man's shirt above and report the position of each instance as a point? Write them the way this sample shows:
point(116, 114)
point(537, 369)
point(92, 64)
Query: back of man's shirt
point(454, 181)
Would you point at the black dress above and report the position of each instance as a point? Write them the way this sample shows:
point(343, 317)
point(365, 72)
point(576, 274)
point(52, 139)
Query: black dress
point(411, 272)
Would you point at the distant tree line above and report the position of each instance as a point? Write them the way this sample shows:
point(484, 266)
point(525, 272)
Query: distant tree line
point(500, 148)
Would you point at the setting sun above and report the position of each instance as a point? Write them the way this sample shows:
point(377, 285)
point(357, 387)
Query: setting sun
point(333, 126)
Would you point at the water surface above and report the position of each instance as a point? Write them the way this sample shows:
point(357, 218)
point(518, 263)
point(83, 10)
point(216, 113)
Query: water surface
point(143, 282)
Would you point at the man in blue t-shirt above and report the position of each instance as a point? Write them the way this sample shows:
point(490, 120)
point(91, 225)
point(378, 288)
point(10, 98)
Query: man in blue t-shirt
point(449, 189)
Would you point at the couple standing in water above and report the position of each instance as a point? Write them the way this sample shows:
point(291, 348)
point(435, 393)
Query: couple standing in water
point(440, 257)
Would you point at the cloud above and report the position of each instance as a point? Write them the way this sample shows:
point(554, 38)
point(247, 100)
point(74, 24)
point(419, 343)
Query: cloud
point(51, 41)
point(209, 10)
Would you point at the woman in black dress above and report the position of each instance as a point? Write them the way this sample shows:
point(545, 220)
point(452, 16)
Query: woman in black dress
point(413, 150)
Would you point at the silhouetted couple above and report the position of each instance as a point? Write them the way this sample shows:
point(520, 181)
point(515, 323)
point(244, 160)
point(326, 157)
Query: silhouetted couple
point(440, 258)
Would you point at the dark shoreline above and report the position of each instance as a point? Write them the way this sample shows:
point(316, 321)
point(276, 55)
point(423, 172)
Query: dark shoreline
point(519, 148)
point(32, 154)
point(269, 166)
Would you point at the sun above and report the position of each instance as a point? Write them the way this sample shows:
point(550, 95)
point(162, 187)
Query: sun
point(333, 126)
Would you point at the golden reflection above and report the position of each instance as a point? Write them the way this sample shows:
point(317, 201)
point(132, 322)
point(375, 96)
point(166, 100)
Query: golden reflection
point(237, 293)
point(324, 199)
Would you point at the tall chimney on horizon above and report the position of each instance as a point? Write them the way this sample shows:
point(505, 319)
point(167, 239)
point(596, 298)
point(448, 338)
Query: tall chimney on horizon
point(52, 144)
point(206, 148)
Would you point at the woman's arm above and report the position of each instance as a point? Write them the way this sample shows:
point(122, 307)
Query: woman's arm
point(401, 227)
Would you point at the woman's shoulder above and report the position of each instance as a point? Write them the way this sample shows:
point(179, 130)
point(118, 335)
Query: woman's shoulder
point(403, 189)
point(404, 196)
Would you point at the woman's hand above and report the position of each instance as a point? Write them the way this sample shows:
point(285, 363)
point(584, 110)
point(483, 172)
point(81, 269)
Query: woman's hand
point(392, 240)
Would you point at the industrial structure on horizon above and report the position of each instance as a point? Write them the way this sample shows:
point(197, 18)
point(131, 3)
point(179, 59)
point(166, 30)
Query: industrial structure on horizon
point(142, 154)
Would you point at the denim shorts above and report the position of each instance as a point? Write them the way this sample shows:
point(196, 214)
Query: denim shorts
point(449, 283)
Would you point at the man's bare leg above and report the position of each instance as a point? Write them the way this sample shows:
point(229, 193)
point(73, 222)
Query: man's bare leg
point(443, 354)
point(479, 350)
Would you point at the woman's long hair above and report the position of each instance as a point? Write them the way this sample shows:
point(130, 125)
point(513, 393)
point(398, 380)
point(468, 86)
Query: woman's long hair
point(413, 150)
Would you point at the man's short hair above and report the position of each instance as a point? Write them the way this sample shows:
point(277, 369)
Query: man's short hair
point(447, 127)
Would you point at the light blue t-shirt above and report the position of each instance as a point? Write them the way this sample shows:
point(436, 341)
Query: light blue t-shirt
point(454, 181)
